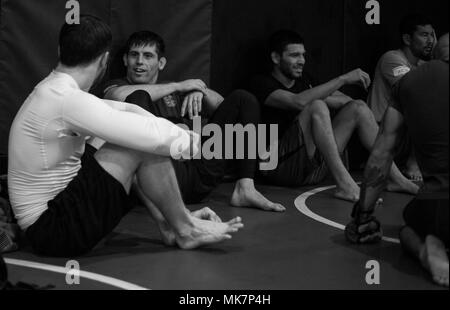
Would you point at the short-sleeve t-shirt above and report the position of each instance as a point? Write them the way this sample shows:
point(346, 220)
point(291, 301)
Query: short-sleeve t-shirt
point(169, 107)
point(262, 86)
point(423, 100)
point(391, 68)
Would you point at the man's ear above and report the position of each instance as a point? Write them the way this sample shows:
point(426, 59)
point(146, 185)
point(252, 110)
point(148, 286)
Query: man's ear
point(406, 39)
point(275, 58)
point(125, 59)
point(105, 59)
point(59, 52)
point(162, 63)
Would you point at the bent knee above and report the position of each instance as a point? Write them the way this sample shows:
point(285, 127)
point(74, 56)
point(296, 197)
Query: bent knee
point(358, 106)
point(244, 99)
point(359, 109)
point(318, 108)
point(243, 95)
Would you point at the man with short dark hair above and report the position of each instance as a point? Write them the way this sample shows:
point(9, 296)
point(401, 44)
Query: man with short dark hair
point(310, 142)
point(422, 111)
point(65, 195)
point(417, 42)
point(181, 102)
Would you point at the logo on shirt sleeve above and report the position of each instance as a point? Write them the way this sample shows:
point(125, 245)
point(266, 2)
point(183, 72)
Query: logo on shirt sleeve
point(399, 71)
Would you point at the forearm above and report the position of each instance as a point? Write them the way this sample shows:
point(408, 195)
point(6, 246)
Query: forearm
point(320, 92)
point(337, 101)
point(156, 91)
point(212, 100)
point(376, 176)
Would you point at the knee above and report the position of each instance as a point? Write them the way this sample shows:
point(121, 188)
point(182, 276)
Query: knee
point(359, 108)
point(140, 98)
point(244, 98)
point(319, 109)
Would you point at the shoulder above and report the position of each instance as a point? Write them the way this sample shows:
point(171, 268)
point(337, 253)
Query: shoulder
point(114, 83)
point(394, 56)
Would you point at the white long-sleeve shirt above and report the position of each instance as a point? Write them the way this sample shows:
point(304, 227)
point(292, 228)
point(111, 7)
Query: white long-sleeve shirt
point(48, 135)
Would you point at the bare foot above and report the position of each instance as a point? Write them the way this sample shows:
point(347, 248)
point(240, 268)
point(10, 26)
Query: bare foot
point(408, 187)
point(434, 258)
point(203, 232)
point(206, 214)
point(352, 194)
point(167, 234)
point(413, 172)
point(249, 197)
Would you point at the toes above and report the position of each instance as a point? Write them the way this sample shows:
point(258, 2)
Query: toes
point(279, 208)
point(236, 226)
point(236, 220)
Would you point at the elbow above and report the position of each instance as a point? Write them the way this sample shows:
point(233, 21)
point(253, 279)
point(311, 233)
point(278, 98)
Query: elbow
point(301, 103)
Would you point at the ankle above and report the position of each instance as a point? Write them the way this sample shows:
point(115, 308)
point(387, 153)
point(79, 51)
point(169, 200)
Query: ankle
point(184, 229)
point(245, 184)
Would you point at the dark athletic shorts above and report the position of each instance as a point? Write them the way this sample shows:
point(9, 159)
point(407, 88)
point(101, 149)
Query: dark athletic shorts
point(428, 215)
point(295, 168)
point(79, 217)
point(198, 178)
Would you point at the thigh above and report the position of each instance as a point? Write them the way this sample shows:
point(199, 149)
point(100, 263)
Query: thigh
point(306, 134)
point(429, 216)
point(120, 163)
point(195, 180)
point(293, 160)
point(88, 209)
point(344, 125)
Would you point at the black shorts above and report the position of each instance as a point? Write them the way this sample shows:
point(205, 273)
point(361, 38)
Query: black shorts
point(295, 168)
point(198, 178)
point(79, 217)
point(428, 215)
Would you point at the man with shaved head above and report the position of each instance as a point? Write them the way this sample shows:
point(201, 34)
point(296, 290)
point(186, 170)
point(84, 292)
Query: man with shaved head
point(417, 41)
point(422, 109)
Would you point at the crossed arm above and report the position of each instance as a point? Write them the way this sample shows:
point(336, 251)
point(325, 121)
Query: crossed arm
point(196, 92)
point(329, 92)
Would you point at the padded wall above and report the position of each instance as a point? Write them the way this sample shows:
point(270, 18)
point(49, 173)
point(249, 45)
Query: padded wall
point(29, 32)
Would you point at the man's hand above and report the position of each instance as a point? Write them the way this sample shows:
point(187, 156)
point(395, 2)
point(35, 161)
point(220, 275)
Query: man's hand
point(190, 85)
point(357, 77)
point(364, 228)
point(206, 214)
point(192, 104)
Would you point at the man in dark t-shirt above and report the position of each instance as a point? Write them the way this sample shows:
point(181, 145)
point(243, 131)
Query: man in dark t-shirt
point(169, 105)
point(422, 111)
point(310, 143)
point(181, 103)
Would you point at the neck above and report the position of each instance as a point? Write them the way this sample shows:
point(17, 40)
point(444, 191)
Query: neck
point(153, 81)
point(410, 56)
point(283, 79)
point(83, 75)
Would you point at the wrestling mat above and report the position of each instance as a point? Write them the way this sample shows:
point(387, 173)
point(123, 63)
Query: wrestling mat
point(302, 249)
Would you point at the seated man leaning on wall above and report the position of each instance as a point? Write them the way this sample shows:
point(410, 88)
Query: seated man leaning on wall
point(310, 142)
point(184, 103)
point(418, 39)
